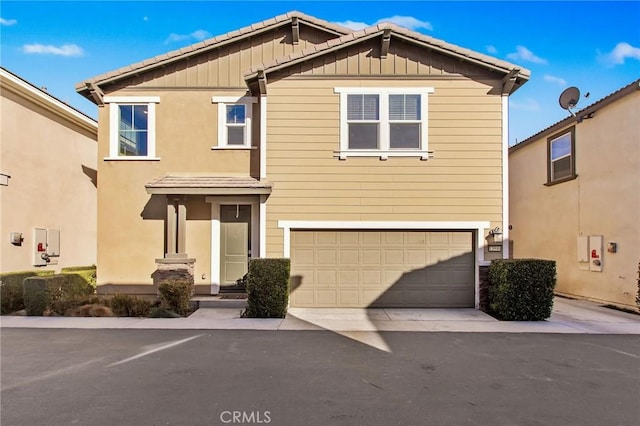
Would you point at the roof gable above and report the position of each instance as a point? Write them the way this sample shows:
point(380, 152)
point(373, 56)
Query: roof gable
point(387, 33)
point(173, 58)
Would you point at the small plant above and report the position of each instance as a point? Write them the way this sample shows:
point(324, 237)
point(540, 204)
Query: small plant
point(268, 288)
point(63, 307)
point(130, 306)
point(175, 296)
point(522, 289)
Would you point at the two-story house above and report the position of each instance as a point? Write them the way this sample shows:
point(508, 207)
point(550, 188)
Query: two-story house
point(575, 198)
point(376, 160)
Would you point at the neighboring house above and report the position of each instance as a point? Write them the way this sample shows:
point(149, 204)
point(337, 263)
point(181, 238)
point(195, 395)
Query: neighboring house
point(575, 198)
point(47, 180)
point(375, 159)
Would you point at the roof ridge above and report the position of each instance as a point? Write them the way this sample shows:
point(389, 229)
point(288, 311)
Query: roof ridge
point(584, 111)
point(377, 29)
point(213, 41)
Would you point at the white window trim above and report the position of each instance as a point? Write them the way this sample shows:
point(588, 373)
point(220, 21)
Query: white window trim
point(114, 102)
point(479, 227)
point(385, 151)
point(222, 102)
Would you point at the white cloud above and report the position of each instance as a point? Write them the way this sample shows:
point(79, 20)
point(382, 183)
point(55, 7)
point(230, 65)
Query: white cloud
point(619, 53)
point(492, 49)
point(553, 79)
point(197, 35)
point(408, 22)
point(524, 54)
point(64, 50)
point(353, 25)
point(8, 22)
point(527, 104)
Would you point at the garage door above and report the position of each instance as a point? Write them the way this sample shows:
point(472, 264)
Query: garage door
point(413, 269)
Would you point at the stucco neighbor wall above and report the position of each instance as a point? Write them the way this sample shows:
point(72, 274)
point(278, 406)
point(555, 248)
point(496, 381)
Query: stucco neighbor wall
point(52, 164)
point(603, 200)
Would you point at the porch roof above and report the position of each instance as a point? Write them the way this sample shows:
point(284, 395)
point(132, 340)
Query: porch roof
point(208, 185)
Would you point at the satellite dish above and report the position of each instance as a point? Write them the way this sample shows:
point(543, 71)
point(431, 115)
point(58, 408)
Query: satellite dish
point(569, 99)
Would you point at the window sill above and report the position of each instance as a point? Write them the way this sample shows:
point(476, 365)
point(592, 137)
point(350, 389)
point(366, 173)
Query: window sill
point(384, 155)
point(131, 159)
point(566, 179)
point(241, 148)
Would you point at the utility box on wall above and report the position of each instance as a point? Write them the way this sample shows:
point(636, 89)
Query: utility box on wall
point(46, 246)
point(590, 253)
point(595, 253)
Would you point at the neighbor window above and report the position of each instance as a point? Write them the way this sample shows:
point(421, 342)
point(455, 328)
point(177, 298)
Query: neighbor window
point(561, 157)
point(132, 127)
point(234, 121)
point(383, 122)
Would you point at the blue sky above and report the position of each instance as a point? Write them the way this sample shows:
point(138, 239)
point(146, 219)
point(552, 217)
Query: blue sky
point(592, 45)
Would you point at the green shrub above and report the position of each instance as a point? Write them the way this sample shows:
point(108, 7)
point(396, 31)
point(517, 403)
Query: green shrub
point(41, 292)
point(522, 289)
point(175, 295)
point(268, 288)
point(130, 306)
point(36, 295)
point(11, 293)
point(87, 272)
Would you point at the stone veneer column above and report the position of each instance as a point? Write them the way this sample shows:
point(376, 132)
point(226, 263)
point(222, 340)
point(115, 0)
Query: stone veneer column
point(173, 268)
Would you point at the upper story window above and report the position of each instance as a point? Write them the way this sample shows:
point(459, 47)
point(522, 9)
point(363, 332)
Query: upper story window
point(234, 121)
point(383, 122)
point(561, 157)
point(132, 122)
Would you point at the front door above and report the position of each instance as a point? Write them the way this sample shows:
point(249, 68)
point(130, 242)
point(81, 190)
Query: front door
point(235, 243)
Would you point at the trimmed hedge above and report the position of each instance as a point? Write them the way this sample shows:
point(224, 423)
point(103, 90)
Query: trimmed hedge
point(129, 306)
point(268, 288)
point(175, 295)
point(522, 289)
point(40, 292)
point(87, 272)
point(11, 294)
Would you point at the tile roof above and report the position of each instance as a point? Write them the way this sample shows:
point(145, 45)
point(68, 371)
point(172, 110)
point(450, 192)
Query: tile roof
point(376, 30)
point(213, 43)
point(580, 115)
point(208, 185)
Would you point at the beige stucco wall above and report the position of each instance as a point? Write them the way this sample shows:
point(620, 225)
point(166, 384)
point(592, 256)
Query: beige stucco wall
point(462, 182)
point(603, 200)
point(131, 227)
point(52, 164)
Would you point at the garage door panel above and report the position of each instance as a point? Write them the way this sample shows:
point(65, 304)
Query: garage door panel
point(383, 268)
point(393, 257)
point(349, 257)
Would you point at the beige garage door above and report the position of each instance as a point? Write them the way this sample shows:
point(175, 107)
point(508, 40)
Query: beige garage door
point(418, 269)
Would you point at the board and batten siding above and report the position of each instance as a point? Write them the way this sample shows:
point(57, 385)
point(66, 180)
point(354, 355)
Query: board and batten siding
point(462, 182)
point(226, 66)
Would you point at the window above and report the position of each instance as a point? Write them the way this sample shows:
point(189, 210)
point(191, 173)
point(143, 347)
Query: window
point(132, 127)
point(234, 121)
point(383, 122)
point(560, 155)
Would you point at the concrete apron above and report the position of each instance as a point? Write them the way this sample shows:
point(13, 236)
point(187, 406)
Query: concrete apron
point(569, 316)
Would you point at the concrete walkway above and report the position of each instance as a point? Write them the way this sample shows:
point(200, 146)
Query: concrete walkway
point(569, 316)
